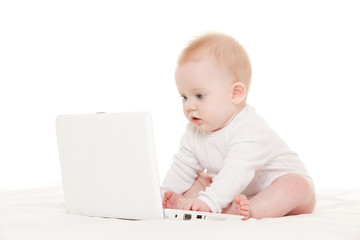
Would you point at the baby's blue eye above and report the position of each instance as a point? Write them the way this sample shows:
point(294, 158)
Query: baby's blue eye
point(184, 98)
point(199, 96)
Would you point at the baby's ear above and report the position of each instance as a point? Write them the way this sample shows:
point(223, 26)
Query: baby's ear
point(238, 92)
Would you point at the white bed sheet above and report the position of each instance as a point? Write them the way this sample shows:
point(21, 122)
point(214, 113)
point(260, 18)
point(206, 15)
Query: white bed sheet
point(40, 214)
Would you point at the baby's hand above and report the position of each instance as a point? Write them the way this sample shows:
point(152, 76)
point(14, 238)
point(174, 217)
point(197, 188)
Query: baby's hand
point(199, 206)
point(175, 201)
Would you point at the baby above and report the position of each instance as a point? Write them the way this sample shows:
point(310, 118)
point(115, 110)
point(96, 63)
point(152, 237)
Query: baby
point(230, 161)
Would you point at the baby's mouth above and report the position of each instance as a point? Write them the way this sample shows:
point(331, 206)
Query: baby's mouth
point(195, 120)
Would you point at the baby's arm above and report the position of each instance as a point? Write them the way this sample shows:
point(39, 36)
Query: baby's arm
point(245, 157)
point(184, 169)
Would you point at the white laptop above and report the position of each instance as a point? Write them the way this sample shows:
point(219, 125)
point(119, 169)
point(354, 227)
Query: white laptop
point(109, 168)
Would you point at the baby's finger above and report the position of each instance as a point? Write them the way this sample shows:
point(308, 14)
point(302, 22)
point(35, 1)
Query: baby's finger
point(195, 207)
point(187, 204)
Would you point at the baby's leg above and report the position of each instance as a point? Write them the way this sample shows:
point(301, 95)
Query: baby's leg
point(290, 194)
point(200, 184)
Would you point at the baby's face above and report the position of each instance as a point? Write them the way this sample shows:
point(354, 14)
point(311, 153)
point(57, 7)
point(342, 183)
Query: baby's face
point(207, 94)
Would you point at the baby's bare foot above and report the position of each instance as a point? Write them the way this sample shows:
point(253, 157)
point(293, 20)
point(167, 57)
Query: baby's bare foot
point(175, 201)
point(240, 206)
point(171, 200)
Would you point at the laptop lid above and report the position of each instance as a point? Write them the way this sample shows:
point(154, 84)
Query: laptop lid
point(108, 165)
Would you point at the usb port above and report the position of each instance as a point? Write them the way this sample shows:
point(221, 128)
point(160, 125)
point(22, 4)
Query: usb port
point(198, 217)
point(187, 217)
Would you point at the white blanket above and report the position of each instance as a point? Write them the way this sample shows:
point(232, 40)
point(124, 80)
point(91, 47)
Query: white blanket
point(39, 214)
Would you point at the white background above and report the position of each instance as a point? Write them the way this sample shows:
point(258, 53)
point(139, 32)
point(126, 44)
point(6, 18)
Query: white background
point(59, 57)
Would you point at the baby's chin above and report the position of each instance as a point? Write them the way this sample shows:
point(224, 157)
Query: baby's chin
point(205, 129)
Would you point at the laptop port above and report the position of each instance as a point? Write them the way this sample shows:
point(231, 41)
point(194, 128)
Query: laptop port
point(187, 217)
point(198, 217)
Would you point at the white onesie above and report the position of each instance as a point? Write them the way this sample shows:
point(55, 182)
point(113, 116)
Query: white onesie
point(243, 157)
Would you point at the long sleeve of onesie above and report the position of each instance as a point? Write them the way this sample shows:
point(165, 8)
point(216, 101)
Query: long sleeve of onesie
point(247, 154)
point(184, 169)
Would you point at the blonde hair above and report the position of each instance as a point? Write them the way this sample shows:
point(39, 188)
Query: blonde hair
point(227, 52)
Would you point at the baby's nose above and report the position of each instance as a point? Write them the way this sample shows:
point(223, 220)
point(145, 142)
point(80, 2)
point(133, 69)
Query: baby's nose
point(190, 106)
